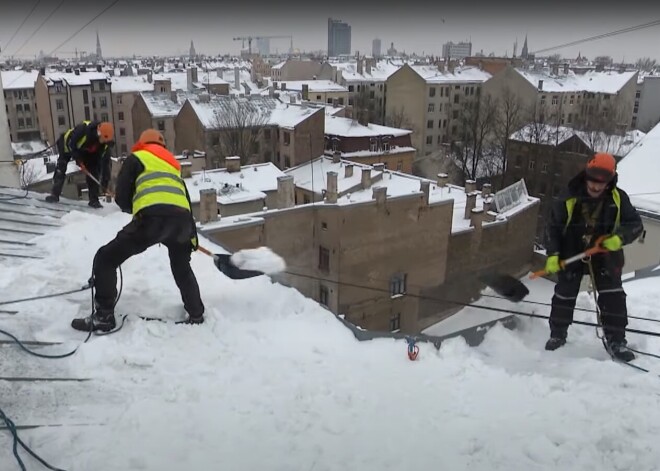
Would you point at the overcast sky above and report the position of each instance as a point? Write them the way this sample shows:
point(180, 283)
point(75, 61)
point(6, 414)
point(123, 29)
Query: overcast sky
point(166, 28)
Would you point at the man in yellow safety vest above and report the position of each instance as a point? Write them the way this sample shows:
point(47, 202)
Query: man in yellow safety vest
point(150, 187)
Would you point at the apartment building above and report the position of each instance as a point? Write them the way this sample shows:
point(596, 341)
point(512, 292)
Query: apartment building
point(646, 108)
point(460, 50)
point(21, 104)
point(67, 98)
point(125, 90)
point(429, 100)
point(291, 70)
point(316, 91)
point(382, 248)
point(369, 144)
point(265, 129)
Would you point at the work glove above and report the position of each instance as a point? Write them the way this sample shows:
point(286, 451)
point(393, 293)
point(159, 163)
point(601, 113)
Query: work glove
point(613, 243)
point(194, 244)
point(552, 264)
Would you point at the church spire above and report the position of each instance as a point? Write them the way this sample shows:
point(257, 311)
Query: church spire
point(525, 52)
point(99, 54)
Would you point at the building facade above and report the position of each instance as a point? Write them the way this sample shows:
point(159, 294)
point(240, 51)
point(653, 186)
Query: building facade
point(451, 50)
point(21, 105)
point(646, 112)
point(339, 38)
point(376, 48)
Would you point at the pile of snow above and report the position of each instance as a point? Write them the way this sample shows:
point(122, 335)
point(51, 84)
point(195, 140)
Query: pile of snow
point(273, 381)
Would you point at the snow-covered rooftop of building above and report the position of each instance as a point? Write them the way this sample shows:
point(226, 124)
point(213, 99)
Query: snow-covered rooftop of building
point(28, 148)
point(161, 105)
point(431, 74)
point(346, 127)
point(639, 172)
point(618, 145)
point(35, 169)
point(377, 73)
point(73, 79)
point(136, 83)
point(594, 82)
point(179, 80)
point(318, 86)
point(18, 79)
point(245, 185)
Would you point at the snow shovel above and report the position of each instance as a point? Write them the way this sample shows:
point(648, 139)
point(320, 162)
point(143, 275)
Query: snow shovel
point(224, 263)
point(514, 290)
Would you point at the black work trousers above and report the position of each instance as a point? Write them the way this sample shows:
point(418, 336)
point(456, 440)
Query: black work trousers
point(59, 177)
point(141, 233)
point(611, 298)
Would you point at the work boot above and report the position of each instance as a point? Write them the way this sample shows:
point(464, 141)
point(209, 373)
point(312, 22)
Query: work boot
point(555, 341)
point(95, 204)
point(190, 320)
point(52, 198)
point(619, 350)
point(102, 319)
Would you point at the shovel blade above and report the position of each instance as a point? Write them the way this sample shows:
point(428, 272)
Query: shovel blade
point(506, 286)
point(224, 264)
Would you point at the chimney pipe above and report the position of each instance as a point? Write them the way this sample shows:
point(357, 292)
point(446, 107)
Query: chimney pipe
point(331, 190)
point(348, 171)
point(470, 204)
point(237, 78)
point(425, 188)
point(366, 178)
point(486, 189)
point(208, 205)
point(379, 193)
point(285, 192)
point(233, 164)
point(443, 178)
point(470, 186)
point(336, 157)
point(476, 218)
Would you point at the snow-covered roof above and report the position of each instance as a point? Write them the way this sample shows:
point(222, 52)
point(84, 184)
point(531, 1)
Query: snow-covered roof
point(248, 184)
point(594, 82)
point(18, 79)
point(28, 148)
point(431, 74)
point(346, 127)
point(639, 172)
point(35, 169)
point(160, 105)
point(73, 79)
point(312, 176)
point(378, 72)
point(179, 80)
point(618, 145)
point(317, 86)
point(136, 83)
point(211, 78)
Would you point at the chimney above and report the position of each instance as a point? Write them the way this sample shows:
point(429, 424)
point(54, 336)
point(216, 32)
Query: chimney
point(425, 188)
point(77, 71)
point(331, 188)
point(566, 69)
point(305, 92)
point(292, 99)
point(150, 76)
point(622, 68)
point(380, 195)
point(233, 164)
point(174, 97)
point(335, 102)
point(285, 192)
point(600, 67)
point(83, 69)
point(237, 78)
point(367, 67)
point(470, 186)
point(540, 85)
point(42, 71)
point(208, 205)
point(191, 77)
point(491, 216)
point(359, 67)
point(271, 91)
point(488, 203)
point(443, 179)
point(486, 189)
point(555, 69)
point(379, 167)
point(336, 157)
point(476, 218)
point(186, 169)
point(275, 85)
point(470, 203)
point(348, 171)
point(99, 68)
point(366, 178)
point(283, 86)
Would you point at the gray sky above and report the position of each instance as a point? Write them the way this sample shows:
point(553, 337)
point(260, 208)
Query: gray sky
point(163, 28)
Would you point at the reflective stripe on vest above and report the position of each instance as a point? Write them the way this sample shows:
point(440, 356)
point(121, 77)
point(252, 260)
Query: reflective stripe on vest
point(570, 207)
point(160, 182)
point(80, 142)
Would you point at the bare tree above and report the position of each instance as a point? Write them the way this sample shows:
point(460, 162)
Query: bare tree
point(239, 123)
point(508, 120)
point(365, 108)
point(646, 64)
point(27, 172)
point(602, 127)
point(398, 118)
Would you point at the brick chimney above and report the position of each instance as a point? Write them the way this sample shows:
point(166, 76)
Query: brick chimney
point(331, 190)
point(233, 164)
point(425, 187)
point(208, 205)
point(443, 179)
point(380, 195)
point(486, 189)
point(174, 97)
point(285, 192)
point(540, 86)
point(366, 178)
point(186, 169)
point(305, 92)
point(348, 171)
point(336, 157)
point(476, 218)
point(566, 69)
point(237, 78)
point(470, 204)
point(470, 186)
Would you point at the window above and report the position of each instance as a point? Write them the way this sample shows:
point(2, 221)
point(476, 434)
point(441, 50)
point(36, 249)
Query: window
point(122, 131)
point(531, 165)
point(120, 116)
point(324, 226)
point(570, 118)
point(319, 98)
point(351, 88)
point(60, 121)
point(103, 101)
point(59, 104)
point(118, 101)
point(544, 167)
point(456, 98)
point(85, 97)
point(340, 100)
point(267, 134)
point(323, 295)
point(87, 113)
point(161, 125)
point(372, 95)
point(28, 122)
point(429, 140)
point(542, 100)
point(324, 259)
point(350, 102)
point(398, 284)
point(638, 94)
point(429, 124)
point(572, 100)
point(432, 91)
point(19, 108)
point(439, 139)
point(555, 99)
point(101, 85)
point(454, 130)
point(21, 123)
point(444, 124)
point(395, 322)
point(373, 144)
point(439, 124)
point(329, 100)
point(287, 161)
point(431, 108)
point(104, 116)
point(287, 138)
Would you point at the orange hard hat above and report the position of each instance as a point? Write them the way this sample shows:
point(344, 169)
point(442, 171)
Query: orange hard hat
point(601, 167)
point(106, 131)
point(152, 136)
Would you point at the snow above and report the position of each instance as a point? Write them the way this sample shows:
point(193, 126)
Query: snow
point(73, 79)
point(35, 169)
point(28, 148)
point(137, 83)
point(252, 181)
point(316, 86)
point(380, 72)
point(160, 105)
point(369, 153)
point(272, 370)
point(18, 79)
point(594, 82)
point(639, 172)
point(431, 74)
point(346, 127)
point(600, 141)
point(262, 259)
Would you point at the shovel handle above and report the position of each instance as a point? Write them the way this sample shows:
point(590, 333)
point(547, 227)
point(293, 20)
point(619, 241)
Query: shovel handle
point(586, 254)
point(204, 250)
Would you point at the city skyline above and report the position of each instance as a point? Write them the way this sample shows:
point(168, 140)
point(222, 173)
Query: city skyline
point(125, 30)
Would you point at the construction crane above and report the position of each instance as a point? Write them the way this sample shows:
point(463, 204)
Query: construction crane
point(250, 38)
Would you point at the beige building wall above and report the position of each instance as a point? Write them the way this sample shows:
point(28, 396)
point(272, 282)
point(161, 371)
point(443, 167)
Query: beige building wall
point(644, 252)
point(327, 97)
point(123, 120)
point(406, 105)
point(296, 70)
point(22, 114)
